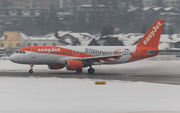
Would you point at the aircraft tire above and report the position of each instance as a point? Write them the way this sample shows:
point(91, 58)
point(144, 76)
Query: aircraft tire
point(91, 71)
point(31, 71)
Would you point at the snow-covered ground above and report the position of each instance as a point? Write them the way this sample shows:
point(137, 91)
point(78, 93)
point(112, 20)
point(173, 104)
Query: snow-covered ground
point(68, 95)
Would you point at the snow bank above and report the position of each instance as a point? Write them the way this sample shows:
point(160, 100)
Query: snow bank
point(68, 95)
point(56, 95)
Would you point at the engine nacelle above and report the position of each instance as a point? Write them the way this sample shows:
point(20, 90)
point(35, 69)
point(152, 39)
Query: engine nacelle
point(55, 66)
point(73, 65)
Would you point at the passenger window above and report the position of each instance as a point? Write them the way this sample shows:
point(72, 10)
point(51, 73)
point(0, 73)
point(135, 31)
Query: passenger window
point(20, 51)
point(23, 52)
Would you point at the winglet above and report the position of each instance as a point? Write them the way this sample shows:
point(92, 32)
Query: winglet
point(152, 37)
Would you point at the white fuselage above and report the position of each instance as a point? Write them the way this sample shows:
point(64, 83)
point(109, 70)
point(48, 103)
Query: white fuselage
point(45, 55)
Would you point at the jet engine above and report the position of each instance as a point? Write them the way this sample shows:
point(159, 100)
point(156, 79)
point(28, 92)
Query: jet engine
point(55, 66)
point(73, 65)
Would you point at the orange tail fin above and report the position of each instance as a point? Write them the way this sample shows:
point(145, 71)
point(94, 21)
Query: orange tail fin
point(152, 37)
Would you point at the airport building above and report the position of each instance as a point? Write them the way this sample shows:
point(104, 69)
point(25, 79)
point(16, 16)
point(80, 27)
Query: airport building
point(13, 40)
point(10, 40)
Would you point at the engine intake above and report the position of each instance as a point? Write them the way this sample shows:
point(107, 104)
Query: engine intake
point(55, 66)
point(73, 65)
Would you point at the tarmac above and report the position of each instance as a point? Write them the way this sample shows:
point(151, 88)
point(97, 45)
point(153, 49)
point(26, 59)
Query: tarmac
point(173, 79)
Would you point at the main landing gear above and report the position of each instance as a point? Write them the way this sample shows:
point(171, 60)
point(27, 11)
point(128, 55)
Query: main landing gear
point(31, 69)
point(90, 71)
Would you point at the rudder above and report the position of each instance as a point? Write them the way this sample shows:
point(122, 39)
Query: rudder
point(152, 37)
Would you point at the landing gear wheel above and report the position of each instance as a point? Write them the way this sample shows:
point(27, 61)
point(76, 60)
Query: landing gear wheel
point(31, 68)
point(91, 71)
point(31, 71)
point(79, 71)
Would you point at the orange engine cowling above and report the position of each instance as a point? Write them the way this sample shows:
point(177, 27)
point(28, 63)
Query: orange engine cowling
point(55, 66)
point(73, 65)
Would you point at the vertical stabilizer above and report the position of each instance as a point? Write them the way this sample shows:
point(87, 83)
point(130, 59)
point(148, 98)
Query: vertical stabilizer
point(152, 37)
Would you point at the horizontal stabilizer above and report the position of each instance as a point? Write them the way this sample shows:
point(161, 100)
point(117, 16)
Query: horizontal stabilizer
point(150, 52)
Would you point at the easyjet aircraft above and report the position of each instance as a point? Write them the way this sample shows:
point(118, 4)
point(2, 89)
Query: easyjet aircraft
point(78, 57)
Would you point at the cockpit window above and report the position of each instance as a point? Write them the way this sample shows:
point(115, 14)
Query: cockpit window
point(21, 52)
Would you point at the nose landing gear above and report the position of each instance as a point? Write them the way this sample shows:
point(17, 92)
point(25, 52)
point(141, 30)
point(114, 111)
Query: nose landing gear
point(31, 68)
point(31, 71)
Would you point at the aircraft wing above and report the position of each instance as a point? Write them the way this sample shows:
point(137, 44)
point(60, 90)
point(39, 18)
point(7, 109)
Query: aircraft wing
point(95, 57)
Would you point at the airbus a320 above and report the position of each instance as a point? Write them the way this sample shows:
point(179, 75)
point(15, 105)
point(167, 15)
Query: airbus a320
point(77, 57)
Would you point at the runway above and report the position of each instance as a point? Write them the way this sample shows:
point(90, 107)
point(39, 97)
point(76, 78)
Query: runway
point(162, 79)
point(151, 71)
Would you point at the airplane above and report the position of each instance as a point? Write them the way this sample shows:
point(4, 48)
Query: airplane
point(77, 57)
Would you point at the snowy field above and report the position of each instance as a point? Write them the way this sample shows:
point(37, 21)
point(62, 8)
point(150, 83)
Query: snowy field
point(68, 95)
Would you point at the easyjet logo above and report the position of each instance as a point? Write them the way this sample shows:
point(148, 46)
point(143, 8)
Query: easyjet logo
point(152, 33)
point(48, 50)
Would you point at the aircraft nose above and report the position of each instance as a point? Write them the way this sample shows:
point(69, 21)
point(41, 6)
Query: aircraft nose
point(12, 58)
